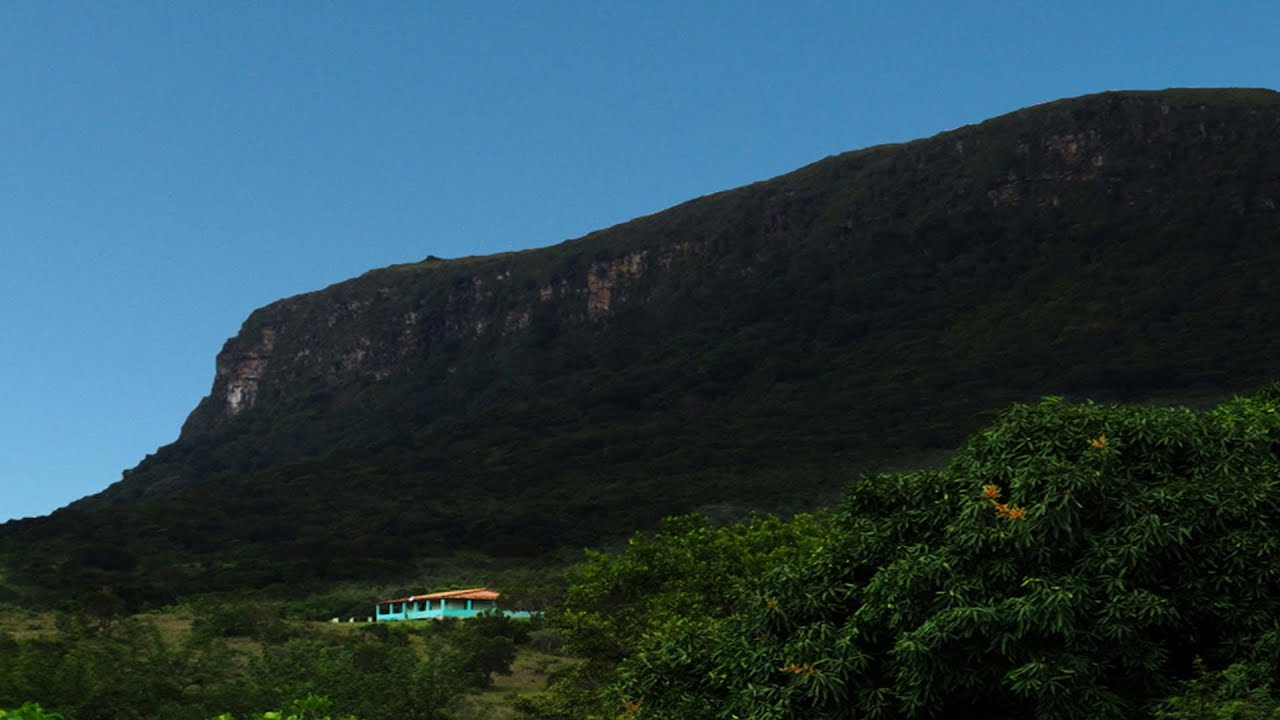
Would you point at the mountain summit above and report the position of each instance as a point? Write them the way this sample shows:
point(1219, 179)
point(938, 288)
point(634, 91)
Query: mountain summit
point(742, 350)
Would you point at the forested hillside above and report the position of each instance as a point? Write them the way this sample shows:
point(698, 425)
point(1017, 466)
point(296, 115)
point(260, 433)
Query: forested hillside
point(745, 350)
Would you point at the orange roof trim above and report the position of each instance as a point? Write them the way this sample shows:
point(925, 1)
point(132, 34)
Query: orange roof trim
point(468, 594)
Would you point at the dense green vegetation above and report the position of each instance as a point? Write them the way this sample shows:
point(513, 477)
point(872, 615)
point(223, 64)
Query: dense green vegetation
point(1072, 560)
point(874, 306)
point(312, 707)
point(233, 663)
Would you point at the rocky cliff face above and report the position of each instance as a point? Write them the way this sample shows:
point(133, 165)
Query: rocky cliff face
point(1137, 150)
point(741, 350)
point(389, 322)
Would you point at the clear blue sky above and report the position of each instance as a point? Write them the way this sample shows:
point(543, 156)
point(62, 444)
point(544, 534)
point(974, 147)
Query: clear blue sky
point(168, 167)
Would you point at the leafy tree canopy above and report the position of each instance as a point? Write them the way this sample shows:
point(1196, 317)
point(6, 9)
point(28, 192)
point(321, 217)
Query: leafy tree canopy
point(1072, 560)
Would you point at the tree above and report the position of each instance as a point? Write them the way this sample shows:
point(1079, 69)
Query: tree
point(1072, 560)
point(663, 584)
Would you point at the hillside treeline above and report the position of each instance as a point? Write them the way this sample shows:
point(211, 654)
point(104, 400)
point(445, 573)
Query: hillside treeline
point(1071, 560)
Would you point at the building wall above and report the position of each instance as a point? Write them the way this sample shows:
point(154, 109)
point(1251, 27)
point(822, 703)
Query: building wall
point(418, 610)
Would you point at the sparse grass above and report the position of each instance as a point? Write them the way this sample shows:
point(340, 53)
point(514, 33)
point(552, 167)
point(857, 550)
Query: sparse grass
point(528, 676)
point(174, 625)
point(25, 624)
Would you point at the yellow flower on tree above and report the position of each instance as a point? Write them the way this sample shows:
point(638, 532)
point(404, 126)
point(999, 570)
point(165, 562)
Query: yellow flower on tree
point(1010, 512)
point(632, 707)
point(1007, 512)
point(807, 669)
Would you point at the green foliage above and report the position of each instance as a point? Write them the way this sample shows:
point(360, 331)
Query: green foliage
point(257, 620)
point(681, 578)
point(29, 711)
point(130, 669)
point(489, 642)
point(544, 641)
point(340, 602)
point(124, 670)
point(1239, 692)
point(1071, 561)
point(312, 707)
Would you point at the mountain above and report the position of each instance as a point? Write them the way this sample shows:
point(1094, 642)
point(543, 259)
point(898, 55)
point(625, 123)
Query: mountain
point(747, 349)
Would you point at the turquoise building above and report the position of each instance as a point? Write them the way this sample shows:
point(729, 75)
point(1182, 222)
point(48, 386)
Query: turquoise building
point(452, 603)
